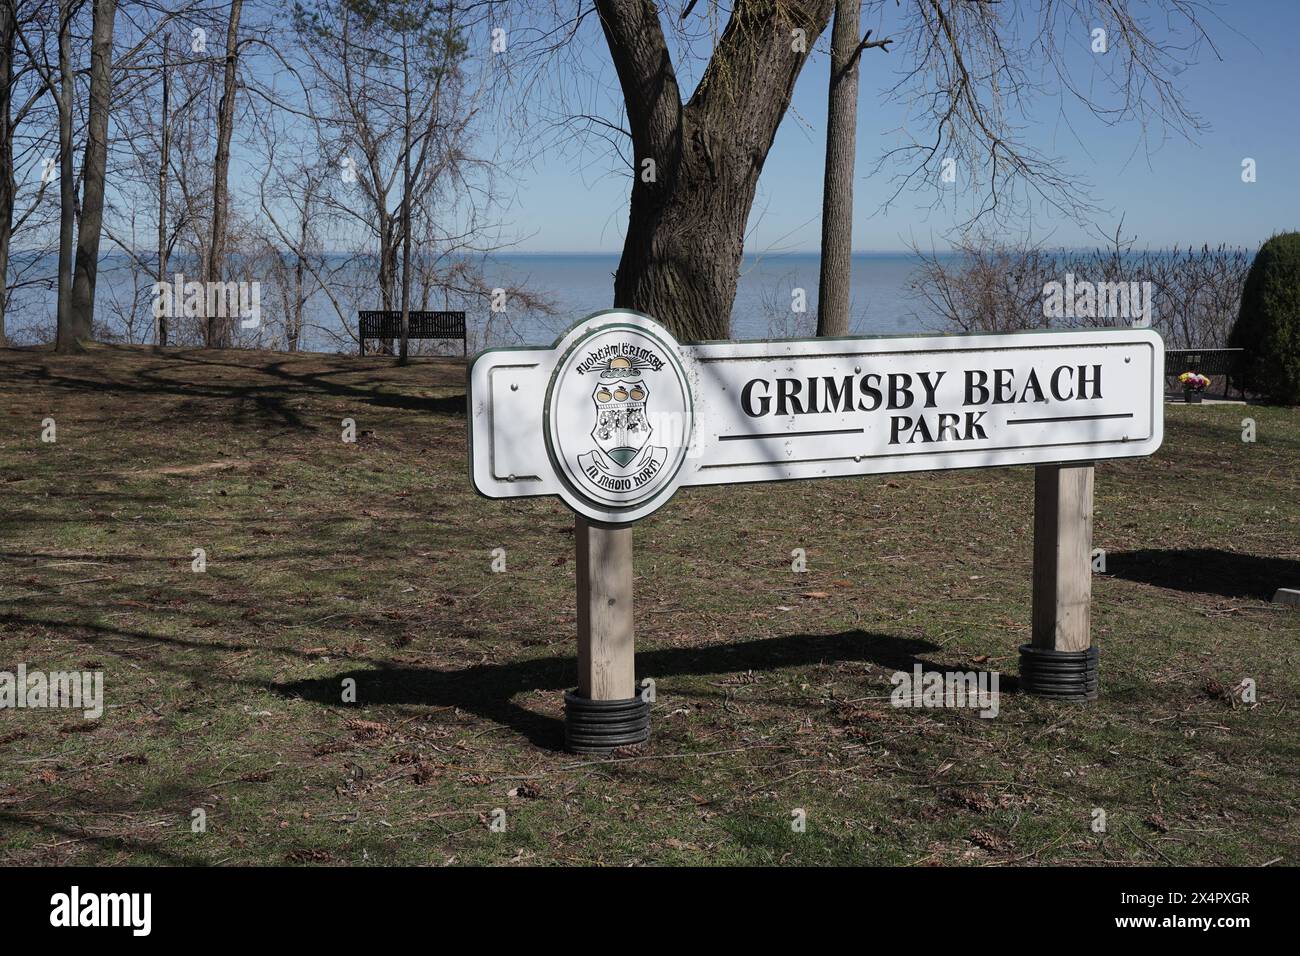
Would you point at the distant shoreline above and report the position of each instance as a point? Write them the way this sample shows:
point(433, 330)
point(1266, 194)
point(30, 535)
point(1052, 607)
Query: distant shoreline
point(149, 255)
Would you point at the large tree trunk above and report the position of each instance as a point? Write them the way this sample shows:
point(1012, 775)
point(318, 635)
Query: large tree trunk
point(69, 335)
point(160, 333)
point(92, 170)
point(8, 33)
point(837, 190)
point(685, 237)
point(219, 327)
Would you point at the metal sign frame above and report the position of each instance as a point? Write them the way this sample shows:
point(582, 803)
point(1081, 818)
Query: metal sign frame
point(513, 417)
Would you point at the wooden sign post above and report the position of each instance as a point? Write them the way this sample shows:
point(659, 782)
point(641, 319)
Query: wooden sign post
point(1060, 661)
point(617, 415)
point(606, 656)
point(606, 645)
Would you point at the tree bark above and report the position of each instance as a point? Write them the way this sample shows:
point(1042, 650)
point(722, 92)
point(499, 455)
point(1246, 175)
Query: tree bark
point(160, 333)
point(387, 262)
point(686, 228)
point(93, 166)
point(837, 190)
point(406, 208)
point(299, 278)
point(387, 266)
point(219, 327)
point(68, 336)
point(8, 33)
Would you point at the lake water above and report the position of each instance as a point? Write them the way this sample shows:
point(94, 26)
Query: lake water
point(581, 284)
point(576, 284)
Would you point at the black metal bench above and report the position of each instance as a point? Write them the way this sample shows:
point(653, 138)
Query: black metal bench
point(1225, 362)
point(386, 326)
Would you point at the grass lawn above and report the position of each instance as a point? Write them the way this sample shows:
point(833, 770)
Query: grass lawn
point(371, 560)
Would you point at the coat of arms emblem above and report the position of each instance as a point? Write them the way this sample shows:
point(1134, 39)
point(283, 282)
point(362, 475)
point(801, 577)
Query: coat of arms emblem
point(618, 418)
point(622, 429)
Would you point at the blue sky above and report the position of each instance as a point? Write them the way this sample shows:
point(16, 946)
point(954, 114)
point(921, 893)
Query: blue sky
point(1175, 192)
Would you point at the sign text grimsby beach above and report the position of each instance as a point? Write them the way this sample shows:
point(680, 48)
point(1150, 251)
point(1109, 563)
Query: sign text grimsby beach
point(618, 415)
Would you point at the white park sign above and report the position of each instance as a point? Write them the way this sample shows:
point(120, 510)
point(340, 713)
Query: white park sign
point(618, 415)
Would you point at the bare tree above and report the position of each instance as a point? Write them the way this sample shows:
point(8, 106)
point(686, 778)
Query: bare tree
point(698, 162)
point(8, 39)
point(970, 69)
point(83, 113)
point(29, 142)
point(69, 335)
point(987, 286)
point(167, 98)
point(164, 158)
point(390, 86)
point(290, 191)
point(167, 165)
point(836, 267)
point(219, 329)
point(404, 345)
point(92, 177)
point(128, 305)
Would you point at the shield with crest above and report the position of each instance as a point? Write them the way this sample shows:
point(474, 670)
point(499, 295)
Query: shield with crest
point(621, 428)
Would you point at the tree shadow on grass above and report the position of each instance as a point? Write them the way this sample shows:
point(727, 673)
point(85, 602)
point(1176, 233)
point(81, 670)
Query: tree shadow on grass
point(46, 823)
point(1206, 571)
point(488, 690)
point(267, 398)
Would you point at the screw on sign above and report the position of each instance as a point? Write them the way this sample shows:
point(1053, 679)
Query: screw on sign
point(617, 416)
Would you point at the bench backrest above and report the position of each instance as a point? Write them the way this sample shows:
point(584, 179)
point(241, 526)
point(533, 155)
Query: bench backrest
point(387, 324)
point(1205, 361)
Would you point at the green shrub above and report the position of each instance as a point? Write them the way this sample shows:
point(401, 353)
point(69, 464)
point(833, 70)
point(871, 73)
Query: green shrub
point(1268, 324)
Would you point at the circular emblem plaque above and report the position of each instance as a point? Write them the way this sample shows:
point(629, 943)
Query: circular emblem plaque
point(619, 416)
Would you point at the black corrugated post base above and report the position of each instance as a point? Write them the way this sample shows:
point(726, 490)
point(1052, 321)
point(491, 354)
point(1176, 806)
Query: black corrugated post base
point(1062, 675)
point(599, 726)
